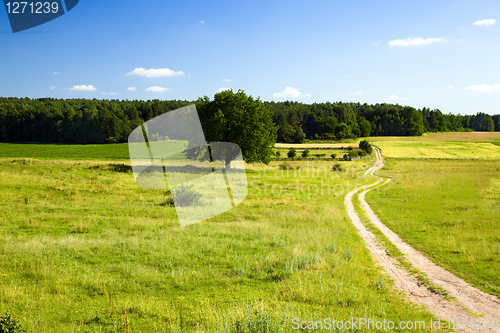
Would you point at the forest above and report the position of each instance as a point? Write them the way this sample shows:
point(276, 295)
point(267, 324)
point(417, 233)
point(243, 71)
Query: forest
point(85, 121)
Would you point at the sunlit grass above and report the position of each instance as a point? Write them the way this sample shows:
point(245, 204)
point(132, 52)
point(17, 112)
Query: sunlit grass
point(449, 209)
point(82, 245)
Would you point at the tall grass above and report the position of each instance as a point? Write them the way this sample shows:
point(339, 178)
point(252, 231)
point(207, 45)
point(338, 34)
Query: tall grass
point(87, 231)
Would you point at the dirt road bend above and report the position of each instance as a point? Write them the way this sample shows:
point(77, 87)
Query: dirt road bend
point(477, 302)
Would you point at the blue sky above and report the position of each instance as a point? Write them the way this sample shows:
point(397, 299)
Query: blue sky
point(437, 54)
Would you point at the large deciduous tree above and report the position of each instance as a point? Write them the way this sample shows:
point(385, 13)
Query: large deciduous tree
point(240, 119)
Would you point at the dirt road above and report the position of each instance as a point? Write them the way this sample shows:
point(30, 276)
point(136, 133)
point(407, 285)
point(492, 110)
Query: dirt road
point(465, 296)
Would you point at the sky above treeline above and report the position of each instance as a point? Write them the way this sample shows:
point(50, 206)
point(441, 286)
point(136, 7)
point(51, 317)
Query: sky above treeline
point(435, 54)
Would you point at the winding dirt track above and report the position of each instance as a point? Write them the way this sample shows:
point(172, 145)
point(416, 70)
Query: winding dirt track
point(464, 294)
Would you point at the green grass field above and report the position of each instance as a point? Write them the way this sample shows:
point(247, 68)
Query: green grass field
point(83, 249)
point(107, 152)
point(450, 210)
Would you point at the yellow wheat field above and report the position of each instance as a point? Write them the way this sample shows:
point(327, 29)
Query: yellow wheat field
point(439, 149)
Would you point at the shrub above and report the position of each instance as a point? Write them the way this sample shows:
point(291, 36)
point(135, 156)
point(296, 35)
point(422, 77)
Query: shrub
point(186, 196)
point(285, 166)
point(292, 153)
point(356, 152)
point(366, 146)
point(337, 167)
point(333, 156)
point(169, 201)
point(277, 153)
point(305, 153)
point(9, 324)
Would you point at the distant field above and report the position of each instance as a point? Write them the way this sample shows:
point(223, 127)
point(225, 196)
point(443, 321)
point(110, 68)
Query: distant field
point(104, 152)
point(438, 149)
point(448, 136)
point(449, 209)
point(118, 151)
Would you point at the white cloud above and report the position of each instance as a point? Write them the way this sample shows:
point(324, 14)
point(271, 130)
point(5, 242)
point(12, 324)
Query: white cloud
point(53, 87)
point(223, 89)
point(416, 41)
point(375, 44)
point(56, 73)
point(132, 89)
point(226, 80)
point(290, 92)
point(483, 88)
point(157, 89)
point(356, 93)
point(152, 72)
point(450, 87)
point(485, 23)
point(394, 98)
point(111, 93)
point(83, 88)
point(201, 22)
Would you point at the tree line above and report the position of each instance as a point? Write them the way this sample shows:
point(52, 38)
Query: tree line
point(84, 121)
point(336, 121)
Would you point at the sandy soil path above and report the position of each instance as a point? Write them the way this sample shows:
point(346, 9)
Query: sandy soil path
point(465, 295)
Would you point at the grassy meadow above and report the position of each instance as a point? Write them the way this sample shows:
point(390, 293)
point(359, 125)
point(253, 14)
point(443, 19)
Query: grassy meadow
point(83, 249)
point(450, 210)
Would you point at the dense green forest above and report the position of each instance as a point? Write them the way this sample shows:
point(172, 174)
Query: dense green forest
point(339, 120)
point(86, 121)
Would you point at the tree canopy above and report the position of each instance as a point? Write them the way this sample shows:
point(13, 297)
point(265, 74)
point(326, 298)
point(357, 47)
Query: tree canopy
point(240, 119)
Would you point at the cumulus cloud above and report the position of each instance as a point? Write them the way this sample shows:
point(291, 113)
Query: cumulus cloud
point(356, 93)
point(132, 89)
point(223, 89)
point(485, 23)
point(110, 93)
point(394, 98)
point(416, 41)
point(290, 92)
point(157, 89)
point(450, 87)
point(55, 73)
point(152, 72)
point(226, 80)
point(53, 87)
point(83, 88)
point(375, 44)
point(483, 88)
point(201, 22)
